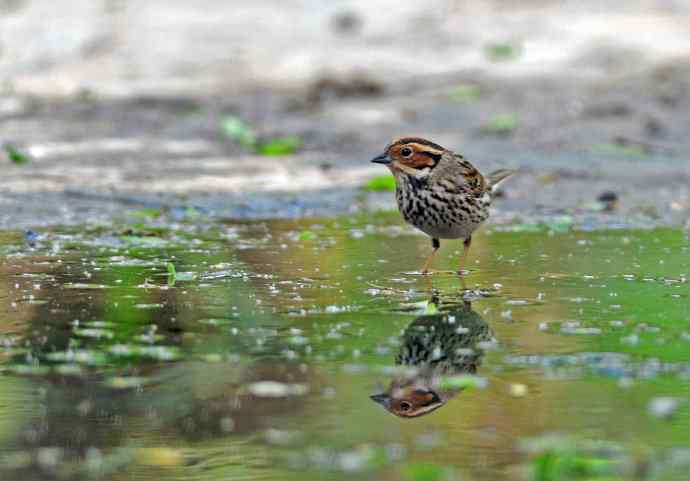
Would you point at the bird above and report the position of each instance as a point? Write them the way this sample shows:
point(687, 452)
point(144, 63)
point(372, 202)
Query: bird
point(446, 343)
point(440, 192)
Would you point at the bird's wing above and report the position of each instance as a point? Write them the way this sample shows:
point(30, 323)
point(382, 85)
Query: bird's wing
point(468, 178)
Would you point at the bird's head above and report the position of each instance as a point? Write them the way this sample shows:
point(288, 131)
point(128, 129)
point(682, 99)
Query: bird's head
point(411, 155)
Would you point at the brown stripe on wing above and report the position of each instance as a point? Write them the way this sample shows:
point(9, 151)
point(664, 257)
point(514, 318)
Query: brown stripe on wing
point(472, 176)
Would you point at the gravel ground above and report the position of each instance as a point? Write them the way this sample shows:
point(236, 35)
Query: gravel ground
point(120, 105)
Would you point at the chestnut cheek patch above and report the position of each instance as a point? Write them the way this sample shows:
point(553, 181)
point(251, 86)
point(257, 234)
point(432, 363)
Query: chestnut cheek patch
point(421, 160)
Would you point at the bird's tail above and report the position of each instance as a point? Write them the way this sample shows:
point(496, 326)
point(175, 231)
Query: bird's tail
point(497, 177)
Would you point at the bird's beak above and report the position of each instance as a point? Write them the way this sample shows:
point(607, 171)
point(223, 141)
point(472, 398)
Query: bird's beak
point(382, 399)
point(382, 159)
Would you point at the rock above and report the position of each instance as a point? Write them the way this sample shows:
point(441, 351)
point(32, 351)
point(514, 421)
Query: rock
point(347, 22)
point(608, 200)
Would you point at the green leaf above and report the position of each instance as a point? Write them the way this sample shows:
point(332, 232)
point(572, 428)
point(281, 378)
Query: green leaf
point(431, 309)
point(500, 51)
point(172, 274)
point(278, 146)
point(239, 132)
point(16, 156)
point(428, 472)
point(561, 223)
point(461, 382)
point(464, 93)
point(307, 235)
point(146, 213)
point(557, 464)
point(545, 467)
point(381, 183)
point(192, 213)
point(528, 227)
point(501, 124)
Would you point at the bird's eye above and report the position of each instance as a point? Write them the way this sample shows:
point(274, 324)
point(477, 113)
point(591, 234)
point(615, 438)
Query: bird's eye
point(405, 406)
point(406, 152)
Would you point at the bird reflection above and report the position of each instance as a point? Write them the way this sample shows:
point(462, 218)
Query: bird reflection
point(445, 343)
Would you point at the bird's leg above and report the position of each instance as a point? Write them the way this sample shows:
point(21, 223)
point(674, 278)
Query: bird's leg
point(463, 286)
point(435, 244)
point(466, 250)
point(430, 284)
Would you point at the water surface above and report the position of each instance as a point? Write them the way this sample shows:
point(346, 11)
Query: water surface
point(314, 350)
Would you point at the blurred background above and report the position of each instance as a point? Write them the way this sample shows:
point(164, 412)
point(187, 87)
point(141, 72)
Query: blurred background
point(273, 108)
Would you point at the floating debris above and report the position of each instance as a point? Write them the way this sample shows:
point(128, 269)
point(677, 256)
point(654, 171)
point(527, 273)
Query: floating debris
point(128, 382)
point(273, 389)
point(518, 390)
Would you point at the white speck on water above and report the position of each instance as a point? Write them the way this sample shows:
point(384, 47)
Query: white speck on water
point(281, 438)
point(94, 460)
point(336, 309)
point(625, 382)
point(586, 331)
point(353, 461)
point(429, 441)
point(517, 302)
point(382, 350)
point(663, 407)
point(395, 452)
point(227, 425)
point(274, 389)
point(487, 345)
point(355, 368)
point(49, 458)
point(518, 390)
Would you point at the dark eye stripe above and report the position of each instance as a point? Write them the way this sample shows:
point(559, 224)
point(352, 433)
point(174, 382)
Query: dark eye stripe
point(432, 155)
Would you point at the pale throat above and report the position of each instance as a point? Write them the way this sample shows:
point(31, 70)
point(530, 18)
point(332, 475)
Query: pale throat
point(416, 173)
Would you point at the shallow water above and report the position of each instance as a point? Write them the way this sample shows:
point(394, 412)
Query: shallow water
point(561, 355)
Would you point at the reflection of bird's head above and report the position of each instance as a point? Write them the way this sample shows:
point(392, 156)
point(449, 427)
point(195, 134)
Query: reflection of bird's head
point(409, 401)
point(436, 345)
